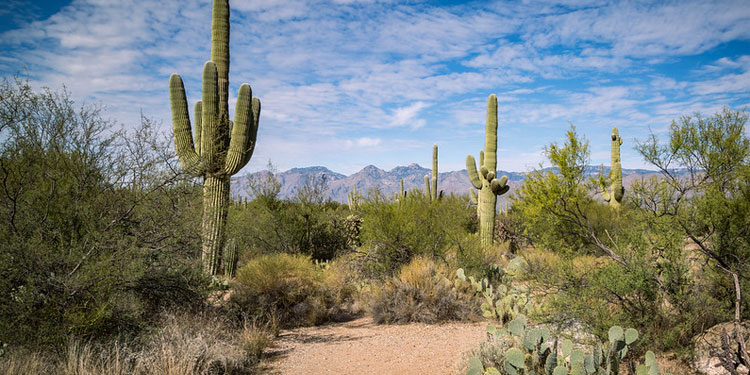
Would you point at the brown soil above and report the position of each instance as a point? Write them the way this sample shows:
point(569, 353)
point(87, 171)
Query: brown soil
point(362, 347)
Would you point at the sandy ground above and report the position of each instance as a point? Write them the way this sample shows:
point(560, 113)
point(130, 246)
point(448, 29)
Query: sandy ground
point(362, 347)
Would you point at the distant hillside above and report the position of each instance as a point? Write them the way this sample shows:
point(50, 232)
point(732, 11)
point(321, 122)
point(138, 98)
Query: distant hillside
point(371, 176)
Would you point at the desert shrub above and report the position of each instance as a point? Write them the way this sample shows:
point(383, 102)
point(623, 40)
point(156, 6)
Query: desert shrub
point(288, 288)
point(98, 229)
point(421, 292)
point(395, 232)
point(307, 225)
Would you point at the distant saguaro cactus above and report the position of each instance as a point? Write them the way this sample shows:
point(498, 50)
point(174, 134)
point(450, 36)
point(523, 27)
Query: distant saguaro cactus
point(353, 199)
point(485, 181)
point(434, 193)
point(616, 190)
point(214, 154)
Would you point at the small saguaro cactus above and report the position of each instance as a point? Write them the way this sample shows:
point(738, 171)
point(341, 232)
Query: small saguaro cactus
point(485, 181)
point(614, 194)
point(231, 256)
point(353, 199)
point(213, 153)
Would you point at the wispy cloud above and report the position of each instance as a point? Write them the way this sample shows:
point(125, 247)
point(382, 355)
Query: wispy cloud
point(374, 76)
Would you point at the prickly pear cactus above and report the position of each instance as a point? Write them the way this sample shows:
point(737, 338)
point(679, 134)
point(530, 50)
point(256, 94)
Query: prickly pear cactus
point(219, 148)
point(485, 181)
point(531, 353)
point(614, 193)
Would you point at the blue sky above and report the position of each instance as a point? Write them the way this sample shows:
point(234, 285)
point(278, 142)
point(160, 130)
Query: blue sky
point(347, 83)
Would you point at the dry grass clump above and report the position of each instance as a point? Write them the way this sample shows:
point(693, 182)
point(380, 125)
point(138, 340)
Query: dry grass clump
point(186, 345)
point(421, 292)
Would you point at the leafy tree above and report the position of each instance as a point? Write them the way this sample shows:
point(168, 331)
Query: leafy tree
point(705, 192)
point(92, 221)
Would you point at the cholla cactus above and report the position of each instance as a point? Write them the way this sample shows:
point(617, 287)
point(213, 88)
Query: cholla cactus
point(213, 153)
point(614, 194)
point(352, 227)
point(486, 182)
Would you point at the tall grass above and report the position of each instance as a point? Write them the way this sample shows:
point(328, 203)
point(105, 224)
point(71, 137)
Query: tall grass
point(186, 345)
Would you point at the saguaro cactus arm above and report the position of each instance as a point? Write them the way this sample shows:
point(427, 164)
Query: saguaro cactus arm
point(252, 140)
point(197, 126)
point(473, 196)
point(244, 132)
point(471, 169)
point(500, 186)
point(186, 150)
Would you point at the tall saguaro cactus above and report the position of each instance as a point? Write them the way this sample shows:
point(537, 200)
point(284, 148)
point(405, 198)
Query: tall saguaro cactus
point(485, 181)
point(616, 190)
point(214, 154)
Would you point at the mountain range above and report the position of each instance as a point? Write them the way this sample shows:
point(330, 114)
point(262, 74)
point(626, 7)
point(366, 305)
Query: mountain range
point(455, 182)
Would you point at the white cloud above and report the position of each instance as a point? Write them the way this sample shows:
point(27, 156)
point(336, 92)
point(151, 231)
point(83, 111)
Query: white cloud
point(368, 73)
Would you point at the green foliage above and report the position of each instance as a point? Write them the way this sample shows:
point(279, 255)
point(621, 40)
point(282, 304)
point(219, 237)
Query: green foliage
point(308, 225)
point(96, 228)
point(393, 233)
point(710, 200)
point(550, 201)
point(421, 292)
point(289, 289)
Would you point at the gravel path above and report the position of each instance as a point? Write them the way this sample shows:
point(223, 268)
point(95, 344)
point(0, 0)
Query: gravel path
point(362, 347)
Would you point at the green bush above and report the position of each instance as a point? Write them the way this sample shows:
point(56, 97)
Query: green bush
point(289, 289)
point(97, 231)
point(393, 233)
point(422, 293)
point(306, 225)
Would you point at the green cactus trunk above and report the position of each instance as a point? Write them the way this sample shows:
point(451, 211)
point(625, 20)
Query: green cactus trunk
point(214, 154)
point(489, 187)
point(434, 192)
point(231, 256)
point(427, 188)
point(616, 190)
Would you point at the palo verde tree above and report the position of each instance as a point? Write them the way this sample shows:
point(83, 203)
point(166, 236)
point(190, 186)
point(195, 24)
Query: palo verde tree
point(214, 154)
point(705, 191)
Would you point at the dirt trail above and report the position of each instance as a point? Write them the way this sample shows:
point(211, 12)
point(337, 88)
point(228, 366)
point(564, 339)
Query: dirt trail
point(362, 347)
